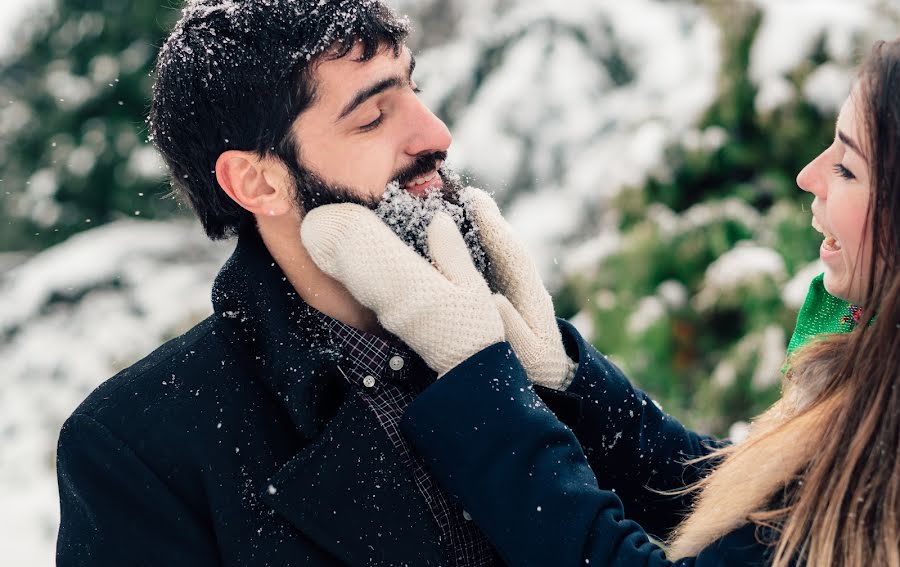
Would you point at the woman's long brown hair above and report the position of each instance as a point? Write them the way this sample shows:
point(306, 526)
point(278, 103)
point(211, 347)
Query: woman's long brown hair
point(820, 471)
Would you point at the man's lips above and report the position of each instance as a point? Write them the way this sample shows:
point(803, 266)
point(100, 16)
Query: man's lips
point(425, 183)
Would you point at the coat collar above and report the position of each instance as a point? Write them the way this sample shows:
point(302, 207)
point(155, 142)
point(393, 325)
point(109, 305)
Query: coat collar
point(288, 345)
point(348, 489)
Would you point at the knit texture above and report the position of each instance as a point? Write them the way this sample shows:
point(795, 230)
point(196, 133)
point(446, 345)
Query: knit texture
point(822, 313)
point(524, 303)
point(445, 313)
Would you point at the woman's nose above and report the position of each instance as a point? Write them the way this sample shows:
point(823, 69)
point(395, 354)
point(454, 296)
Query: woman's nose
point(812, 179)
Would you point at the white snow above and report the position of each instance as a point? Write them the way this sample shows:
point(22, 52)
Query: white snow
point(670, 295)
point(584, 322)
point(794, 292)
point(81, 161)
point(782, 44)
point(585, 256)
point(14, 116)
point(828, 86)
point(772, 353)
point(745, 263)
point(789, 33)
point(764, 351)
point(702, 215)
point(69, 90)
point(732, 268)
point(773, 93)
point(145, 162)
point(673, 293)
point(542, 219)
point(739, 432)
point(649, 311)
point(12, 16)
point(409, 217)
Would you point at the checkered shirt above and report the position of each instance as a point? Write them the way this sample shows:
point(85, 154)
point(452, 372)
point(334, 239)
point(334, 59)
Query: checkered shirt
point(373, 369)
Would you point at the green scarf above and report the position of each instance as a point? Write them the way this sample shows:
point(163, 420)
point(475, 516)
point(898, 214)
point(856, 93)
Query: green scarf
point(822, 313)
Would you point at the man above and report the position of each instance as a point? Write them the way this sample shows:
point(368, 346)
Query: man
point(268, 434)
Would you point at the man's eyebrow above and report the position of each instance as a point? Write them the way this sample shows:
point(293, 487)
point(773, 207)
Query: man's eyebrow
point(848, 141)
point(381, 86)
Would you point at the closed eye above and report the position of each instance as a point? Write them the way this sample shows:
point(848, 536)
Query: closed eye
point(843, 171)
point(372, 125)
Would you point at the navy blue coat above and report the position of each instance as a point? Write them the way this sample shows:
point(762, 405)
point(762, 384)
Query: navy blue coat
point(525, 478)
point(238, 444)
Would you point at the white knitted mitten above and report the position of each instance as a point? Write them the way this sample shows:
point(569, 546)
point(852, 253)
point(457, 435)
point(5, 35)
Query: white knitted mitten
point(525, 304)
point(446, 313)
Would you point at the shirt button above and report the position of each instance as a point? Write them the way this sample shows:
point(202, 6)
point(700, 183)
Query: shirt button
point(396, 363)
point(467, 516)
point(369, 381)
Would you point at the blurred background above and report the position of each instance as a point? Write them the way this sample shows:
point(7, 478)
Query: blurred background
point(646, 150)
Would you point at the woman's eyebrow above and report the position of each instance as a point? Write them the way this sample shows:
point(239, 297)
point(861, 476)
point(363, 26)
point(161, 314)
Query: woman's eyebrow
point(848, 141)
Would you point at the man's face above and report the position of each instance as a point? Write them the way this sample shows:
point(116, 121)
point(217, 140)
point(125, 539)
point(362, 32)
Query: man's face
point(368, 128)
point(368, 139)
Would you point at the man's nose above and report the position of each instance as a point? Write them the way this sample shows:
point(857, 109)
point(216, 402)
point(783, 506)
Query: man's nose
point(427, 132)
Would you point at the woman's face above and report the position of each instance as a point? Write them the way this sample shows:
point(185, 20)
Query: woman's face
point(839, 180)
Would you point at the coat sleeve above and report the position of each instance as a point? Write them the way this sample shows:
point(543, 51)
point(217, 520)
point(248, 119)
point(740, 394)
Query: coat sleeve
point(116, 511)
point(522, 476)
point(635, 448)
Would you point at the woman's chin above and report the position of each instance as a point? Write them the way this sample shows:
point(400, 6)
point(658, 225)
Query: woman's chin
point(839, 286)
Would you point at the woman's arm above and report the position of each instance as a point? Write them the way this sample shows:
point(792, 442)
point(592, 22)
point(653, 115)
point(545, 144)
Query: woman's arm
point(522, 476)
point(631, 443)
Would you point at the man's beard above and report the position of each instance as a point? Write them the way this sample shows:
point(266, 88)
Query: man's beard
point(406, 215)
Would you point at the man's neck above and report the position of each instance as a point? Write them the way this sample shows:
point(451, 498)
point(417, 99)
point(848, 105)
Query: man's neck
point(315, 287)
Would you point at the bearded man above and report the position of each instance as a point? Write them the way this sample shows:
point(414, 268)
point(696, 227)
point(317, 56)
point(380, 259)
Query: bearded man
point(268, 434)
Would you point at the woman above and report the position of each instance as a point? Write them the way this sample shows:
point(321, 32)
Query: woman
point(816, 483)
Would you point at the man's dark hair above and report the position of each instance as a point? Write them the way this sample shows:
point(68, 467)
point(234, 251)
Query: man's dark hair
point(235, 74)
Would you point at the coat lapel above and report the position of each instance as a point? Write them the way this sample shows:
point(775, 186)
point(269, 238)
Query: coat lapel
point(351, 495)
point(347, 489)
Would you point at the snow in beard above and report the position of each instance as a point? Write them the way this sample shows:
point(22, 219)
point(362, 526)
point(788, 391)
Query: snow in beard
point(409, 217)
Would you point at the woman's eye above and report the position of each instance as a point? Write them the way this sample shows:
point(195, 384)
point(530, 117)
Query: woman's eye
point(372, 125)
point(843, 171)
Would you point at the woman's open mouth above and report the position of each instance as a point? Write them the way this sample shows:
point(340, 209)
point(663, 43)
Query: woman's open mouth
point(830, 244)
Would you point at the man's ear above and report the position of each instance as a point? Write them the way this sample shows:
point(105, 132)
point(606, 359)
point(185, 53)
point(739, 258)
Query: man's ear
point(259, 185)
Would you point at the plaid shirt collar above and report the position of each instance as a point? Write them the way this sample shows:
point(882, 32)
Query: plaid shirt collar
point(369, 355)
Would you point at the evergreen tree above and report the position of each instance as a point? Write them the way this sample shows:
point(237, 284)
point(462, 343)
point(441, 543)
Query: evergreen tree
point(74, 151)
point(692, 306)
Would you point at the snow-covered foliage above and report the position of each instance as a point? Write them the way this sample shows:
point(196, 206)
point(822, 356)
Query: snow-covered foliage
point(558, 105)
point(782, 45)
point(741, 266)
point(11, 21)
